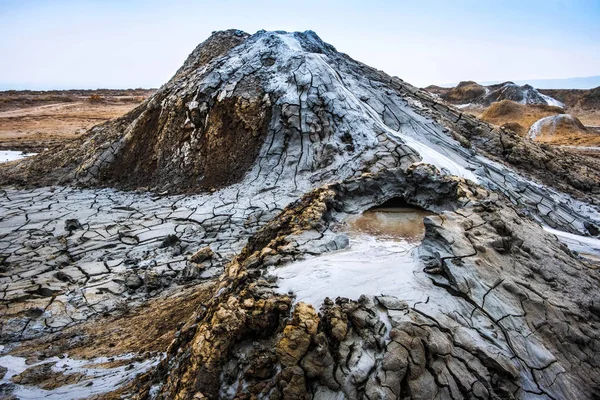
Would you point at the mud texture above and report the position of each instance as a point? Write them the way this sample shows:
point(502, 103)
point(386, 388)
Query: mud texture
point(273, 142)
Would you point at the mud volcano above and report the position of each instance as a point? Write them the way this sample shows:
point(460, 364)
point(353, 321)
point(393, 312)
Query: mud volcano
point(258, 171)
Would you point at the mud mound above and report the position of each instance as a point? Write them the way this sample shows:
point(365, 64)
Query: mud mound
point(296, 138)
point(239, 109)
point(504, 108)
point(563, 129)
point(541, 123)
point(575, 98)
point(218, 44)
point(474, 94)
point(380, 346)
point(511, 109)
point(465, 92)
point(515, 116)
point(437, 90)
point(585, 104)
point(508, 110)
point(207, 127)
point(555, 125)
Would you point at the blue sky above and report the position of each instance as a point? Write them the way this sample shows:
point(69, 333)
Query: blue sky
point(117, 44)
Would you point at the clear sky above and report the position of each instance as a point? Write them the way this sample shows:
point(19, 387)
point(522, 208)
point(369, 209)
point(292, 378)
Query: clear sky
point(134, 43)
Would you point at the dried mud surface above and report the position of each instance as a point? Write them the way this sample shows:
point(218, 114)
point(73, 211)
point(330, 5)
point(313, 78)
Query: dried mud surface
point(254, 157)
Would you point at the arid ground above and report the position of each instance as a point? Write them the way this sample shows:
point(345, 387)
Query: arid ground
point(33, 120)
point(293, 225)
point(572, 121)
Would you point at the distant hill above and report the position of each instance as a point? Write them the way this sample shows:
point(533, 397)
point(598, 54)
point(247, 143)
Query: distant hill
point(587, 82)
point(472, 93)
point(576, 98)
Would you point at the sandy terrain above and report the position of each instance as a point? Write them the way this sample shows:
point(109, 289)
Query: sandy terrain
point(31, 121)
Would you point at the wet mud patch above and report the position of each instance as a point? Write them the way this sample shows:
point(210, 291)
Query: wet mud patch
point(13, 155)
point(381, 259)
point(63, 378)
point(101, 357)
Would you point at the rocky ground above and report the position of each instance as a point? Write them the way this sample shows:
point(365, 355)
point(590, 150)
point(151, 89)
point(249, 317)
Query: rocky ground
point(205, 245)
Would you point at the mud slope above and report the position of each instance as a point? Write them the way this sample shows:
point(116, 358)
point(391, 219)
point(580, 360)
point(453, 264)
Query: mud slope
point(543, 124)
point(577, 98)
point(585, 104)
point(283, 140)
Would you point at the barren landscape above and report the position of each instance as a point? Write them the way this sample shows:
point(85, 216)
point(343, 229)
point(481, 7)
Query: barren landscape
point(281, 221)
point(32, 121)
point(571, 117)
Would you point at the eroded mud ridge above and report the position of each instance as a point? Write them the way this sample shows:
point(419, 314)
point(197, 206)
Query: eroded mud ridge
point(486, 289)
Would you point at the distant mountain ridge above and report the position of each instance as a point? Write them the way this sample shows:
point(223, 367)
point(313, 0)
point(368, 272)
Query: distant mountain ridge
point(585, 82)
point(471, 93)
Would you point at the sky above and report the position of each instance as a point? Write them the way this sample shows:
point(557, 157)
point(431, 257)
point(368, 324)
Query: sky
point(62, 44)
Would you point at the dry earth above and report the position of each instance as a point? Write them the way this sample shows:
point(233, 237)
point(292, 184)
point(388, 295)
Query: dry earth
point(109, 293)
point(32, 121)
point(585, 104)
point(580, 134)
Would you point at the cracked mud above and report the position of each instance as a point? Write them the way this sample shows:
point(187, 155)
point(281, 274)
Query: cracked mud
point(250, 165)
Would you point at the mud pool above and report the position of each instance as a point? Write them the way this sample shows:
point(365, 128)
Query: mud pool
point(391, 223)
point(382, 259)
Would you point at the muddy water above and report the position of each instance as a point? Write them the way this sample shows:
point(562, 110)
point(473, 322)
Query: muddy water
point(382, 259)
point(12, 155)
point(398, 224)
